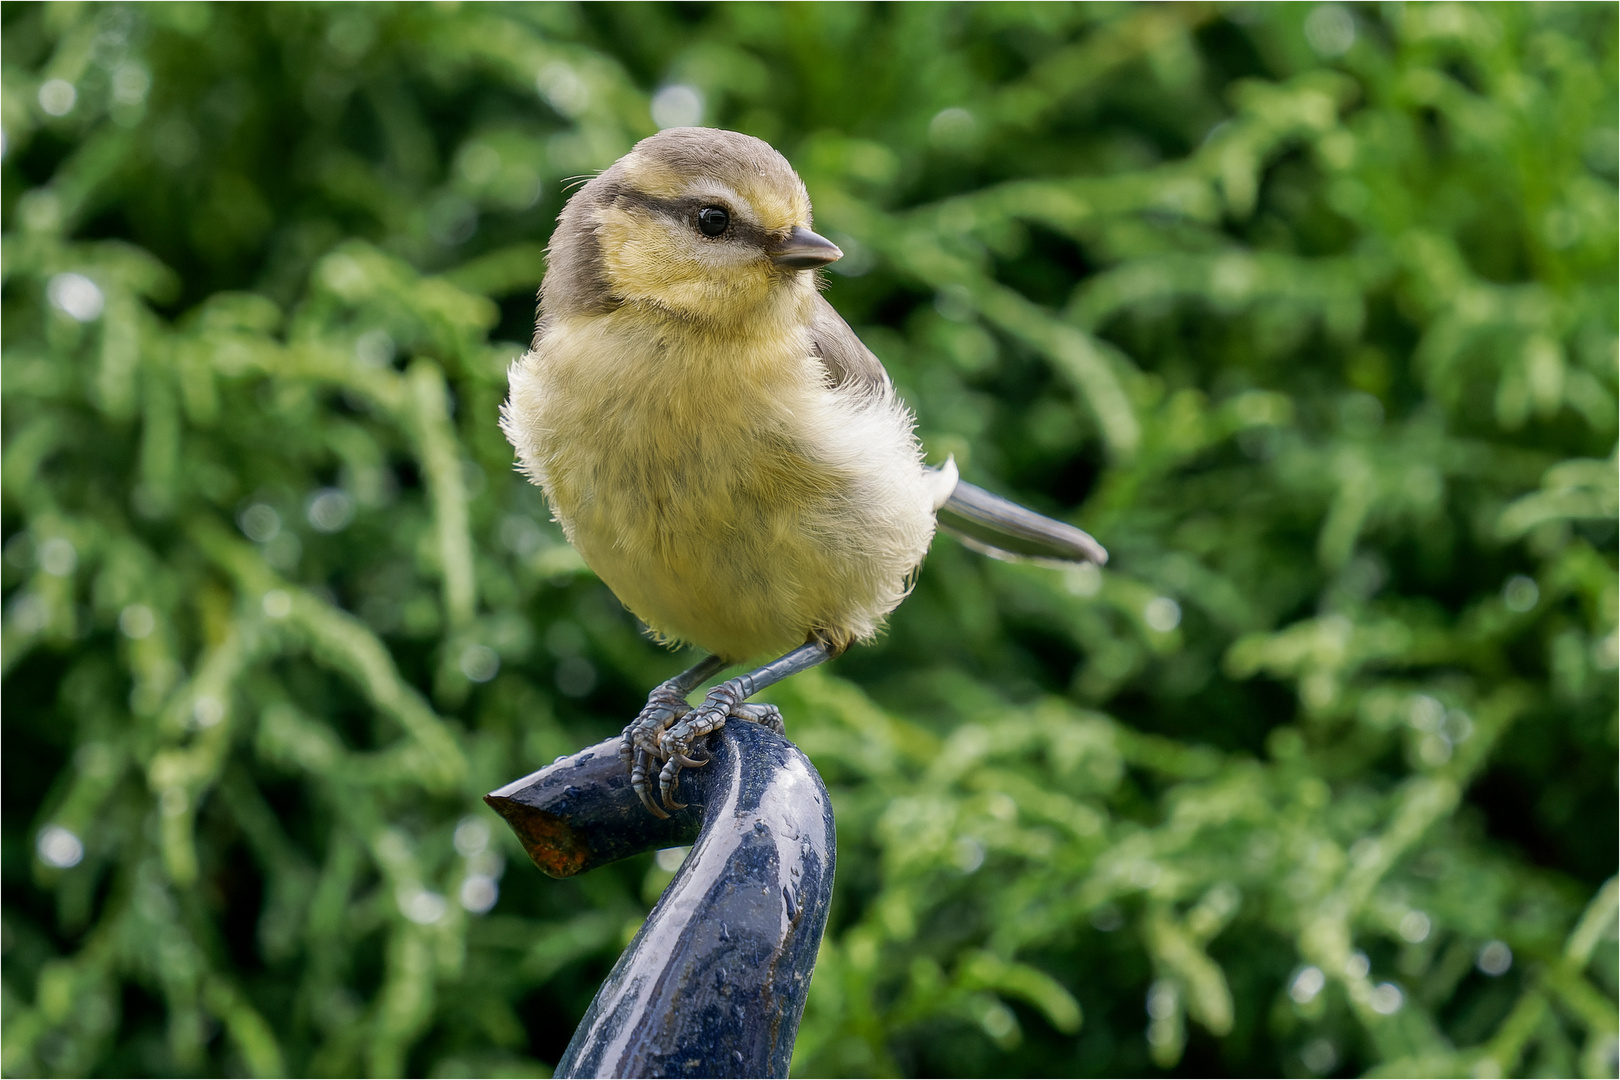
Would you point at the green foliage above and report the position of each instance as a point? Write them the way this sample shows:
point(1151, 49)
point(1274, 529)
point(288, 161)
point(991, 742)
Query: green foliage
point(1307, 312)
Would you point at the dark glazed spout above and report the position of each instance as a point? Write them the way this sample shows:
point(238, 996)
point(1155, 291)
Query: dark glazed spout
point(715, 982)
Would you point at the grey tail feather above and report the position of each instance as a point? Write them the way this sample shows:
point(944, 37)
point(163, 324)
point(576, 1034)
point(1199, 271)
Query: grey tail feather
point(1004, 530)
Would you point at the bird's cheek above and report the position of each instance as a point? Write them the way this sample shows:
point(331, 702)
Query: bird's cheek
point(721, 296)
point(644, 267)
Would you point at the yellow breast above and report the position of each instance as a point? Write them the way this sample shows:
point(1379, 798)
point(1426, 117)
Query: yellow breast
point(720, 488)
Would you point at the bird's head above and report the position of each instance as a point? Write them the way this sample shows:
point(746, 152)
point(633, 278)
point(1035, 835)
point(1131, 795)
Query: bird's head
point(703, 224)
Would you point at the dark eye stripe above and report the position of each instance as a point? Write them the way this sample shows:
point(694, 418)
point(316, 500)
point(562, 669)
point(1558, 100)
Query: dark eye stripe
point(684, 211)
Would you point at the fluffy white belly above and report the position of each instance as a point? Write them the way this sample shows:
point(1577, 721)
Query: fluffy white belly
point(740, 506)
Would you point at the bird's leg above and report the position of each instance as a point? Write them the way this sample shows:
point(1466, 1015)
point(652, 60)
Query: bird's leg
point(726, 700)
point(665, 705)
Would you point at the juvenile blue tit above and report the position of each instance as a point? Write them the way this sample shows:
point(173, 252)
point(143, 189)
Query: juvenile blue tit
point(718, 444)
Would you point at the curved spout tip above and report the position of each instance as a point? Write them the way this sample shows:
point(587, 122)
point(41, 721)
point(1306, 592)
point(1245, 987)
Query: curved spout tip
point(553, 844)
point(580, 812)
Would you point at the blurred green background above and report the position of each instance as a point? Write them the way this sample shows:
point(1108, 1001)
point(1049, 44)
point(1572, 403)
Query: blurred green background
point(1307, 311)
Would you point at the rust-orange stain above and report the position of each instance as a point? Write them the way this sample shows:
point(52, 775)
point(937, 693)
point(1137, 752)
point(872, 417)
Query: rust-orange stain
point(553, 845)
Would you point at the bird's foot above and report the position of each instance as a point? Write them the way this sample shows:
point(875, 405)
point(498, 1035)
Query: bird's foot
point(639, 749)
point(677, 743)
point(766, 716)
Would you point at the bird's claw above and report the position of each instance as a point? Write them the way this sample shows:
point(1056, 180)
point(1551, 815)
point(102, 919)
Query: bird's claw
point(675, 746)
point(667, 732)
point(766, 716)
point(639, 749)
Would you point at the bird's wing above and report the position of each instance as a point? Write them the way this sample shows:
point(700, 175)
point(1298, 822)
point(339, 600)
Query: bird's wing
point(847, 360)
point(984, 522)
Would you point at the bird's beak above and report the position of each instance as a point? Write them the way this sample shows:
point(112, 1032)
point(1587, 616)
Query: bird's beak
point(803, 250)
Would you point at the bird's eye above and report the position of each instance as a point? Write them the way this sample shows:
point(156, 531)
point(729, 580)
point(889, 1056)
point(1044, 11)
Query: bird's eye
point(713, 220)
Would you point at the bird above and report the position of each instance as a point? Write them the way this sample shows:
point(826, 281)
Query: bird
point(718, 444)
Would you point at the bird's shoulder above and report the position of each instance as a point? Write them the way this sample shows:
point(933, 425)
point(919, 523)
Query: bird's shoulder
point(848, 361)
